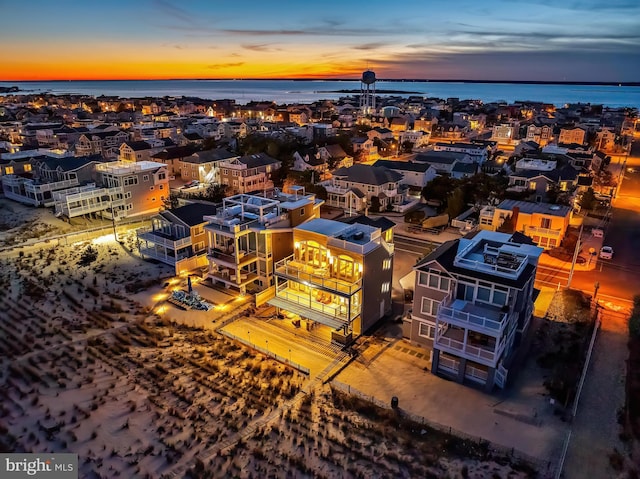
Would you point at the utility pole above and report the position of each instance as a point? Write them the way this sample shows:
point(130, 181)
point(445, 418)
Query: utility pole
point(575, 257)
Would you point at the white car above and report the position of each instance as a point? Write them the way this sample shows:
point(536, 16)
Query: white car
point(606, 252)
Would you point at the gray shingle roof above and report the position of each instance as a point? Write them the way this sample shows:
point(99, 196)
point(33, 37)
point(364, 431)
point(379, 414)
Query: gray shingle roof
point(368, 175)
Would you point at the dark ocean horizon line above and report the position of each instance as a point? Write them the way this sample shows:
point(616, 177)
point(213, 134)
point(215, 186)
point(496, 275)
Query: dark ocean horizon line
point(400, 80)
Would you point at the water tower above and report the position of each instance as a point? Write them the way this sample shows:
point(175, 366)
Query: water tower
point(368, 92)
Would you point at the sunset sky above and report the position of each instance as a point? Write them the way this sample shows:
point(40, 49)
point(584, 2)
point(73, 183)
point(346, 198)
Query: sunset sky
point(553, 40)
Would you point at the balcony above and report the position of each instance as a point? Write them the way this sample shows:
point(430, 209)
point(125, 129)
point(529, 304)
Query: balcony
point(460, 343)
point(539, 231)
point(229, 227)
point(162, 239)
point(482, 318)
point(231, 278)
point(161, 254)
point(333, 314)
point(233, 260)
point(290, 268)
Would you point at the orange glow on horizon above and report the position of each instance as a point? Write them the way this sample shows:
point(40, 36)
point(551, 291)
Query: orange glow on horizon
point(96, 70)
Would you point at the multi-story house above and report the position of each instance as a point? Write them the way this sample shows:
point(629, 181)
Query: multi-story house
point(477, 153)
point(415, 137)
point(569, 136)
point(473, 303)
point(133, 151)
point(442, 161)
point(232, 129)
point(122, 190)
point(250, 233)
point(105, 143)
point(249, 173)
point(506, 133)
point(173, 157)
point(413, 173)
point(309, 159)
point(177, 237)
point(204, 166)
point(539, 133)
point(365, 148)
point(50, 175)
point(352, 188)
point(546, 224)
point(339, 275)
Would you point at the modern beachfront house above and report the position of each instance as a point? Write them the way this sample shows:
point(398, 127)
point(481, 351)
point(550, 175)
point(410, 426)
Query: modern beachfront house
point(250, 233)
point(339, 275)
point(473, 302)
point(177, 237)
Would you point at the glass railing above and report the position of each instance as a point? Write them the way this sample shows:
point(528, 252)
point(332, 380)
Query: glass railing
point(291, 268)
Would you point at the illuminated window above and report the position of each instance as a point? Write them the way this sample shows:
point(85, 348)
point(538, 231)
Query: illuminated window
point(27, 167)
point(8, 170)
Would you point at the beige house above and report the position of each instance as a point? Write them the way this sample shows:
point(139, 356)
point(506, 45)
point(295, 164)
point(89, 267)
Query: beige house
point(546, 224)
point(339, 276)
point(352, 188)
point(249, 173)
point(572, 135)
point(126, 190)
point(250, 233)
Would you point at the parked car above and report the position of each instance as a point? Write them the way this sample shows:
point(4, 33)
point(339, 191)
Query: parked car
point(606, 252)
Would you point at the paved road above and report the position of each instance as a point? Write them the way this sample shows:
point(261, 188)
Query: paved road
point(595, 429)
point(413, 245)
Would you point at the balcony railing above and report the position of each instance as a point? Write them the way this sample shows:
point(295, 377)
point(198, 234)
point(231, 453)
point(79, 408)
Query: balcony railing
point(153, 237)
point(240, 258)
point(230, 226)
point(290, 268)
point(537, 230)
point(333, 311)
point(452, 315)
point(486, 356)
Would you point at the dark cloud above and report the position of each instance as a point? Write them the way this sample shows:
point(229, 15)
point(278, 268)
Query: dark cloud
point(259, 47)
point(558, 65)
point(215, 66)
point(370, 46)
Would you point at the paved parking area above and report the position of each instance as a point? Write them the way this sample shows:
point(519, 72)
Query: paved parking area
point(520, 418)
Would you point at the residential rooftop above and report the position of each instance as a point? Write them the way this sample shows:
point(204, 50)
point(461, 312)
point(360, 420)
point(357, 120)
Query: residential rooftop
point(530, 208)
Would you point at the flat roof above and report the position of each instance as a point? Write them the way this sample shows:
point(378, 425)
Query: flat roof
point(528, 207)
point(324, 226)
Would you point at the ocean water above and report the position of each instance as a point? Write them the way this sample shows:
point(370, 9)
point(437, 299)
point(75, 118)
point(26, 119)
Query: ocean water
point(305, 91)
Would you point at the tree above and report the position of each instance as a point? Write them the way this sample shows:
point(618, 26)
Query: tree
point(375, 204)
point(455, 203)
point(588, 200)
point(170, 202)
point(407, 146)
point(439, 187)
point(215, 193)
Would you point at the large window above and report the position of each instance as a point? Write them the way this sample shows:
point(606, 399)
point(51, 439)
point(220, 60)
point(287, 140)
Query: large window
point(427, 330)
point(429, 306)
point(435, 280)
